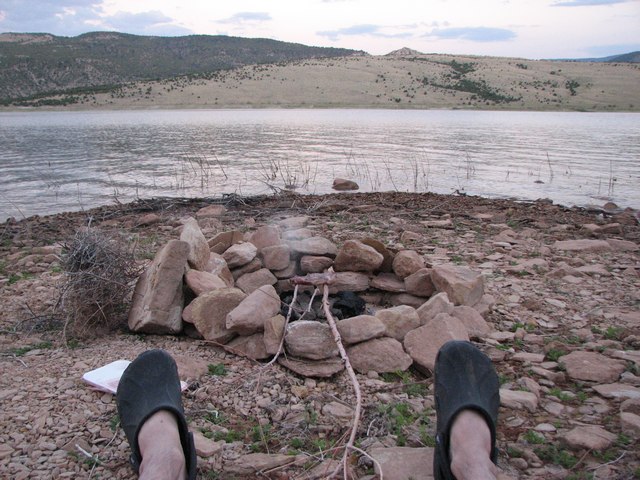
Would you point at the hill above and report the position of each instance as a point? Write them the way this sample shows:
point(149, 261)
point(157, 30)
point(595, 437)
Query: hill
point(32, 64)
point(631, 57)
point(394, 81)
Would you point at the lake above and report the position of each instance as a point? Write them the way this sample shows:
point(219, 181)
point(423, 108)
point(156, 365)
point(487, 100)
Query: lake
point(59, 161)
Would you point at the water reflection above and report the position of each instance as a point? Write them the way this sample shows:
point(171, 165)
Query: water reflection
point(57, 161)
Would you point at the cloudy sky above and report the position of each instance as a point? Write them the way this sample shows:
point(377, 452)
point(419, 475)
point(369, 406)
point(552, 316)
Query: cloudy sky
point(517, 28)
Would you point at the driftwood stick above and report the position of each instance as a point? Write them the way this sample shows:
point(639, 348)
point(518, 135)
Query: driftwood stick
point(354, 381)
point(284, 329)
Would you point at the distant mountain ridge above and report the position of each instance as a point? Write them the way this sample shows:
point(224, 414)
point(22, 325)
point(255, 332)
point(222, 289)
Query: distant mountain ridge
point(631, 57)
point(40, 62)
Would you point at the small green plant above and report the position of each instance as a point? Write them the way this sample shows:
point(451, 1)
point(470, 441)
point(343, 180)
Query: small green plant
point(554, 354)
point(613, 333)
point(215, 417)
point(114, 422)
point(217, 369)
point(3, 267)
point(514, 452)
point(558, 456)
point(19, 352)
point(533, 438)
point(558, 393)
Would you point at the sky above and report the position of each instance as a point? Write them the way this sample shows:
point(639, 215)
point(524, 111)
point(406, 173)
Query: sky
point(513, 28)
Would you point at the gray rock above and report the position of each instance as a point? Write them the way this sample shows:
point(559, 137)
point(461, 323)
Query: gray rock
point(349, 282)
point(435, 305)
point(360, 328)
point(399, 321)
point(342, 184)
point(617, 390)
point(249, 282)
point(582, 245)
point(211, 211)
point(209, 313)
point(252, 463)
point(379, 355)
point(308, 339)
point(157, 299)
point(240, 254)
point(424, 342)
point(355, 256)
point(253, 266)
point(398, 299)
point(462, 285)
point(198, 246)
point(592, 366)
point(249, 316)
point(290, 271)
point(407, 262)
point(630, 424)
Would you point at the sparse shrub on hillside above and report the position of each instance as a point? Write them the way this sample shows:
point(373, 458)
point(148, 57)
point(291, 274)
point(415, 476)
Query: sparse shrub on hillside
point(99, 275)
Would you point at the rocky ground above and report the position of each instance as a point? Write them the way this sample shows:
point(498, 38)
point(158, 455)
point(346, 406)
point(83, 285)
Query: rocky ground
point(565, 342)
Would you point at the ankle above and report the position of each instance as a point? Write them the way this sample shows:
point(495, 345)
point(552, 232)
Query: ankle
point(161, 449)
point(470, 447)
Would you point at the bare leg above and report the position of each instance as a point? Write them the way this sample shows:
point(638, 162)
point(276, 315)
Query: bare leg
point(162, 455)
point(470, 448)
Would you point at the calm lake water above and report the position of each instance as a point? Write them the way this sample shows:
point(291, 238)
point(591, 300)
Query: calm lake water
point(58, 161)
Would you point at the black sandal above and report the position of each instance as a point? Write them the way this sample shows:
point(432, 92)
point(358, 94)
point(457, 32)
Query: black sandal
point(149, 384)
point(464, 379)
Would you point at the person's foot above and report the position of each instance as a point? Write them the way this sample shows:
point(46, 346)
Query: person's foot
point(470, 447)
point(162, 455)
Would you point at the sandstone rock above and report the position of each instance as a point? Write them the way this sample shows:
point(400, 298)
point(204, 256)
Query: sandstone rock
point(273, 331)
point(275, 257)
point(485, 306)
point(470, 318)
point(217, 265)
point(211, 211)
point(527, 357)
point(409, 237)
point(290, 271)
point(583, 245)
point(623, 245)
point(518, 399)
point(252, 346)
point(407, 262)
point(266, 236)
point(424, 342)
point(360, 328)
point(590, 437)
point(148, 219)
point(191, 368)
point(337, 410)
point(462, 285)
point(312, 368)
point(398, 321)
point(206, 447)
point(380, 355)
point(342, 184)
point(388, 282)
point(198, 246)
point(349, 282)
point(252, 463)
point(630, 424)
point(420, 283)
point(240, 254)
point(402, 463)
point(209, 312)
point(308, 339)
point(250, 282)
point(398, 299)
point(318, 246)
point(224, 240)
point(617, 390)
point(355, 256)
point(313, 264)
point(592, 366)
point(157, 299)
point(252, 312)
point(294, 222)
point(387, 262)
point(435, 305)
point(253, 266)
point(297, 234)
point(201, 282)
